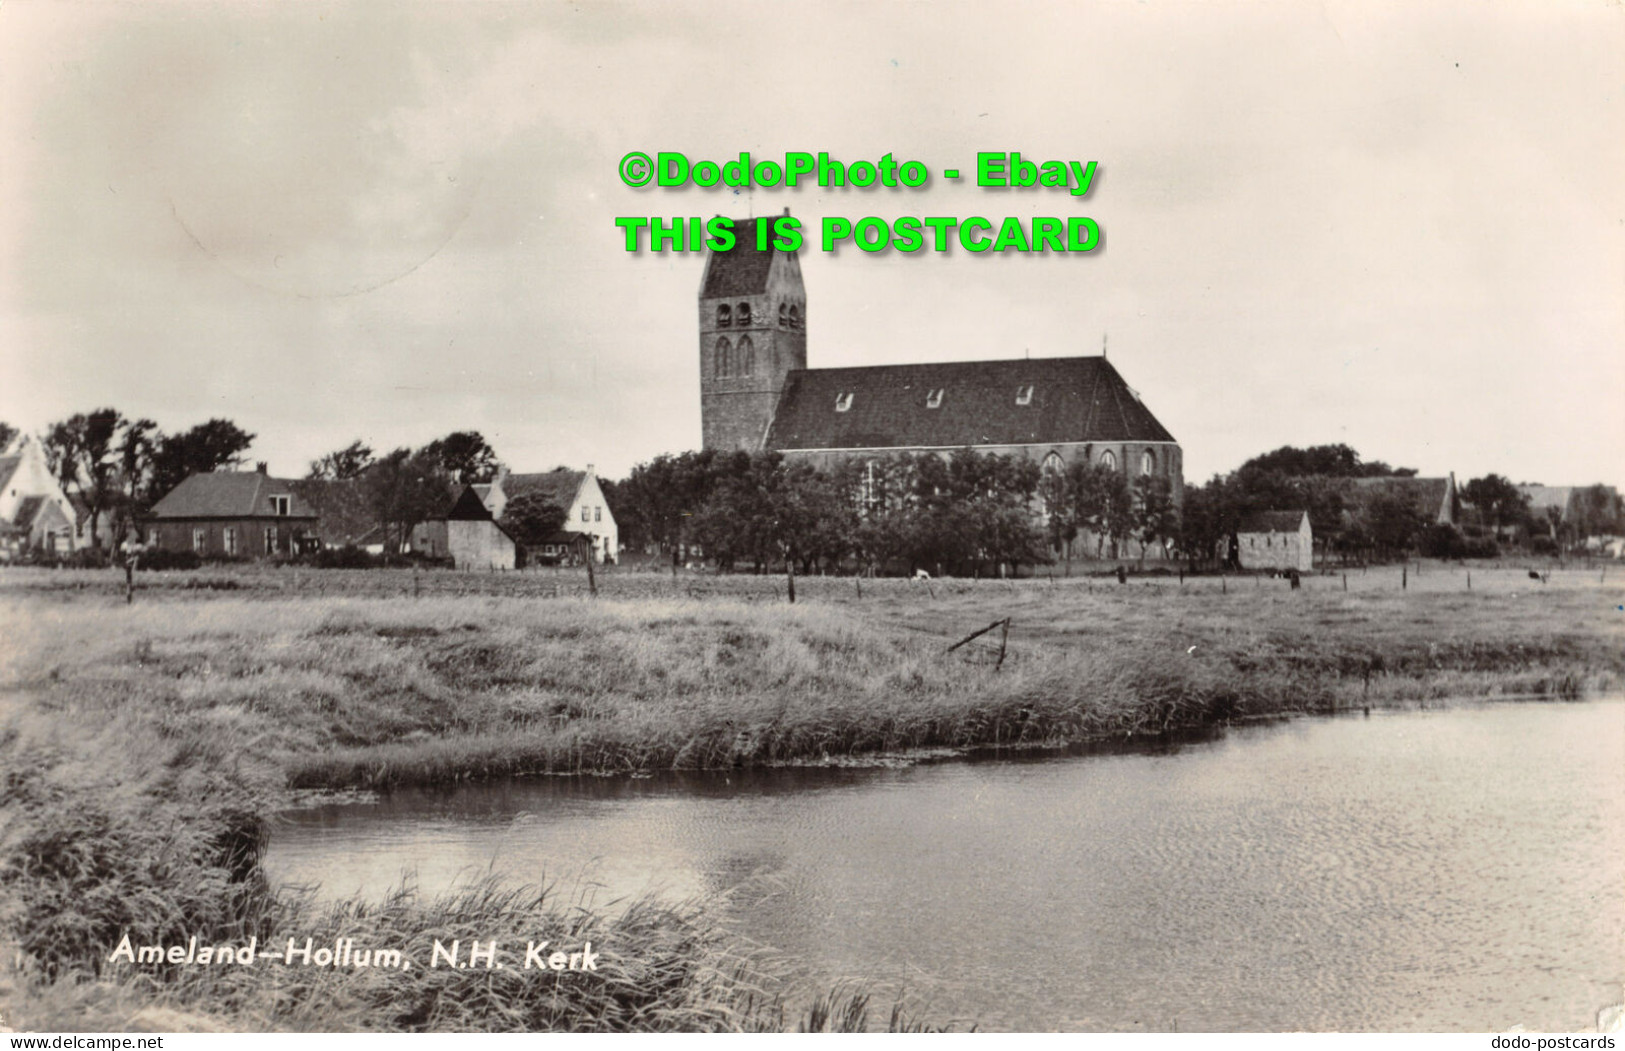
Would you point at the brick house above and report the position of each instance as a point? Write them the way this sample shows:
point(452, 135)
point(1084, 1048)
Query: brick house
point(234, 514)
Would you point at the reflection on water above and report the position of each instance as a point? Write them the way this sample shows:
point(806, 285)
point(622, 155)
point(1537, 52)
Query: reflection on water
point(1455, 870)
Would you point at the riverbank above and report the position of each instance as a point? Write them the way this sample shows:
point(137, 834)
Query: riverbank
point(146, 745)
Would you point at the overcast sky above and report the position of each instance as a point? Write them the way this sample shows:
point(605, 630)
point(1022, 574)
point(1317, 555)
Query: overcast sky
point(1404, 231)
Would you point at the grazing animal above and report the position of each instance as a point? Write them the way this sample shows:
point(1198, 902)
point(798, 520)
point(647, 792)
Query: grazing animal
point(920, 574)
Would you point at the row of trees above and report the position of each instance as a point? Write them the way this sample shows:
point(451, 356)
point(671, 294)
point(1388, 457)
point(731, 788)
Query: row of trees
point(970, 513)
point(967, 513)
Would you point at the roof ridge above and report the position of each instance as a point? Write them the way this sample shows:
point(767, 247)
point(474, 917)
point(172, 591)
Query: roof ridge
point(950, 364)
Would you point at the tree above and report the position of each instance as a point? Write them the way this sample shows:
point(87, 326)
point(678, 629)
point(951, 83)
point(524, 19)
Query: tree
point(465, 455)
point(81, 453)
point(1156, 516)
point(138, 443)
point(1496, 500)
point(1331, 461)
point(530, 518)
point(661, 497)
point(1392, 522)
point(7, 433)
point(348, 462)
point(1597, 511)
point(404, 489)
point(206, 447)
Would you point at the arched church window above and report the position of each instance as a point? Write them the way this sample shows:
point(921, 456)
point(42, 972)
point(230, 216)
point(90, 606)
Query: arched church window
point(724, 364)
point(1108, 459)
point(795, 316)
point(1051, 485)
point(784, 315)
point(724, 315)
point(742, 311)
point(1148, 463)
point(745, 356)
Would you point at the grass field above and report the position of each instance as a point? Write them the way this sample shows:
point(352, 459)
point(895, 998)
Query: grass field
point(145, 745)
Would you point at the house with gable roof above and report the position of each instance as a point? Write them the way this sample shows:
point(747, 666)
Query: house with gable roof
point(36, 516)
point(234, 514)
point(586, 511)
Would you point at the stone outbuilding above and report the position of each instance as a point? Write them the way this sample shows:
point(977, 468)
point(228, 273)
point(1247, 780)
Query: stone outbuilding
point(1281, 540)
point(468, 535)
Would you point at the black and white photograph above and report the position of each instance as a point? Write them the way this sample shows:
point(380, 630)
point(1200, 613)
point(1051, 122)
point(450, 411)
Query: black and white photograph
point(900, 516)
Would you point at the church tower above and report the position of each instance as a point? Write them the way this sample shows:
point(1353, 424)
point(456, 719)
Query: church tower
point(753, 331)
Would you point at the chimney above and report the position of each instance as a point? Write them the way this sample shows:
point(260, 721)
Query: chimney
point(260, 467)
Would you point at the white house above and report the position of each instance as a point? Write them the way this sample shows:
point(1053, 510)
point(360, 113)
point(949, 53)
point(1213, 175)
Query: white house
point(586, 511)
point(34, 511)
point(1276, 540)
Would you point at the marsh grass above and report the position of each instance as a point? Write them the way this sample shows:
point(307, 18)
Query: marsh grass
point(143, 749)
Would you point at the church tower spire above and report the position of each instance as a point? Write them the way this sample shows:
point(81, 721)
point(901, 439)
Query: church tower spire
point(753, 331)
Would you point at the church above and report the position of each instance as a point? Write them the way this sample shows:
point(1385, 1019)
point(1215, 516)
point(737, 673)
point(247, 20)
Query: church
point(756, 391)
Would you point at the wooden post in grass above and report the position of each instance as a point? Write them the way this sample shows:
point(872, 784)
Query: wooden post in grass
point(978, 633)
point(1469, 580)
point(1004, 637)
point(1404, 576)
point(592, 581)
point(790, 578)
point(1345, 581)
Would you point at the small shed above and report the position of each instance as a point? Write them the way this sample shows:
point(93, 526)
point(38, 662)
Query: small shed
point(468, 534)
point(1276, 540)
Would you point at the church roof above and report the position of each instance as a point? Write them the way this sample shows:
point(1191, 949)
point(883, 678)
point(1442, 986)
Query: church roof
point(955, 404)
point(740, 271)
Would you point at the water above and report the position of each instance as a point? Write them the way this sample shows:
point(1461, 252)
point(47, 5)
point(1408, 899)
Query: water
point(1447, 870)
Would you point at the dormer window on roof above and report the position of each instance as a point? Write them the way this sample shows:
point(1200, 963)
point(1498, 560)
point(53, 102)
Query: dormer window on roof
point(933, 400)
point(843, 401)
point(279, 505)
point(1024, 394)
